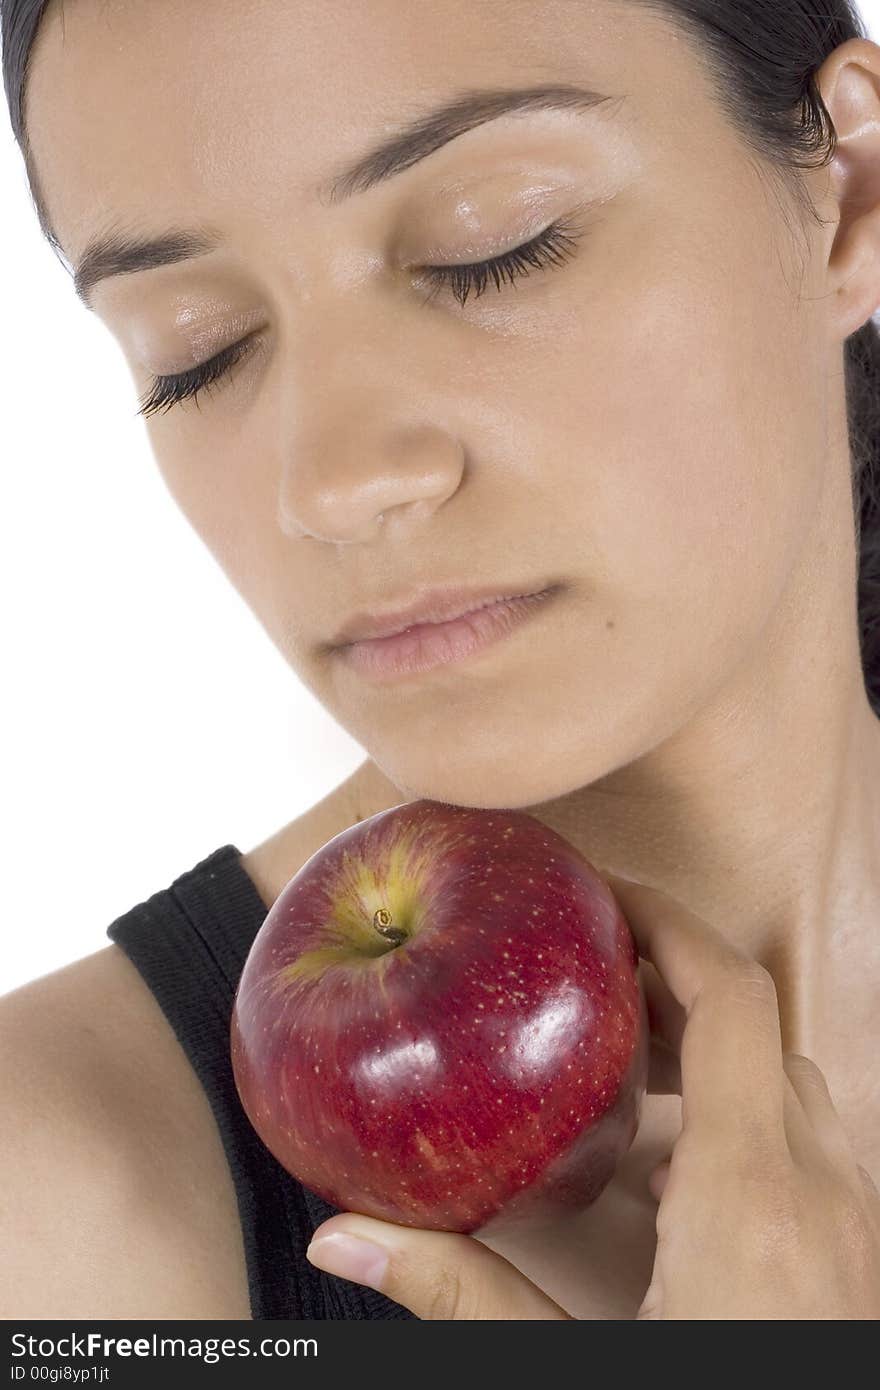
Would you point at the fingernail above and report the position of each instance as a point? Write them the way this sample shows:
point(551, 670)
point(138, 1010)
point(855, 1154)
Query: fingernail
point(350, 1257)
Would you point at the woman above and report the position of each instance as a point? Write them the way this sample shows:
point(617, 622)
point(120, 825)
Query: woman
point(572, 302)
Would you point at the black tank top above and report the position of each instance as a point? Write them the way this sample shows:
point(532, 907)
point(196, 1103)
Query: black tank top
point(189, 942)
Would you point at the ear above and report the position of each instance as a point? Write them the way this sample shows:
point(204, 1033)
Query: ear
point(849, 84)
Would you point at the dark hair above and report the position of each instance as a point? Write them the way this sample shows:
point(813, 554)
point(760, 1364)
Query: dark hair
point(761, 59)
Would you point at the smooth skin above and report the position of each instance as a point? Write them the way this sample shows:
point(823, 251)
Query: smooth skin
point(659, 424)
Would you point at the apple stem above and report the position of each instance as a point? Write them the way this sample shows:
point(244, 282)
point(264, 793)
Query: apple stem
point(382, 924)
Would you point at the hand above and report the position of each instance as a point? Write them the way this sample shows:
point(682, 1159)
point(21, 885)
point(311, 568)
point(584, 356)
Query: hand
point(764, 1212)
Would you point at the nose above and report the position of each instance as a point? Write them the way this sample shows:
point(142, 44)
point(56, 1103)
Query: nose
point(356, 453)
point(359, 474)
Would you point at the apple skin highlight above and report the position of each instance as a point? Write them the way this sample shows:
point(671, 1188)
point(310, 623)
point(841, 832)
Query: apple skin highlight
point(440, 1022)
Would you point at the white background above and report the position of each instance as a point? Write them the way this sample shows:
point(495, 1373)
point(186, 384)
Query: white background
point(145, 717)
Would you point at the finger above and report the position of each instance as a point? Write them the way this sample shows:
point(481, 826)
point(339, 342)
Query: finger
point(658, 1179)
point(868, 1183)
point(665, 1015)
point(803, 1144)
point(667, 1019)
point(438, 1275)
point(825, 1125)
point(733, 1082)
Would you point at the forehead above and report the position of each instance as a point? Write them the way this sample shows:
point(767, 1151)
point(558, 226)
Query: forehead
point(197, 111)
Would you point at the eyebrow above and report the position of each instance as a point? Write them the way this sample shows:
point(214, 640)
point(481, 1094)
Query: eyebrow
point(122, 253)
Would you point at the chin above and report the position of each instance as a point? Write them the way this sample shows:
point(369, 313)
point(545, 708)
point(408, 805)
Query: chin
point(485, 779)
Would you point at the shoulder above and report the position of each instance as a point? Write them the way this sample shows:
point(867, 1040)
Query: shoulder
point(117, 1197)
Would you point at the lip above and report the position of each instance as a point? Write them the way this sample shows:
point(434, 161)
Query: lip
point(424, 646)
point(431, 606)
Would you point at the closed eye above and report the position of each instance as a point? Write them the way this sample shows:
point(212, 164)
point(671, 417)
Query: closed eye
point(167, 391)
point(551, 247)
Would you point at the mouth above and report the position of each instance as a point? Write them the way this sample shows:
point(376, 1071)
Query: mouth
point(424, 646)
point(438, 605)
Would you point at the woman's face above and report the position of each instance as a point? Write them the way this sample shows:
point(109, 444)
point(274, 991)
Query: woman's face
point(642, 423)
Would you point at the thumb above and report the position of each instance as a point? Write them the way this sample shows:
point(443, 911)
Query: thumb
point(437, 1275)
point(658, 1179)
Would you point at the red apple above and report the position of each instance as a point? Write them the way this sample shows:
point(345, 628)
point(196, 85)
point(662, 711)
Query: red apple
point(440, 1022)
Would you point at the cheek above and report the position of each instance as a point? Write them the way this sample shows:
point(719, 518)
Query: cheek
point(685, 441)
point(723, 481)
point(230, 505)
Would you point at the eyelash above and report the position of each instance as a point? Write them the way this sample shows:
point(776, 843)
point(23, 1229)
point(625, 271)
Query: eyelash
point(551, 247)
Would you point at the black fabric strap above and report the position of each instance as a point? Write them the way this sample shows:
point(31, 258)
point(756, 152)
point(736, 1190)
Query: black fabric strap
point(189, 943)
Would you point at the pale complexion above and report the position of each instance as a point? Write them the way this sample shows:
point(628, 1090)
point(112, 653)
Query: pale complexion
point(659, 424)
